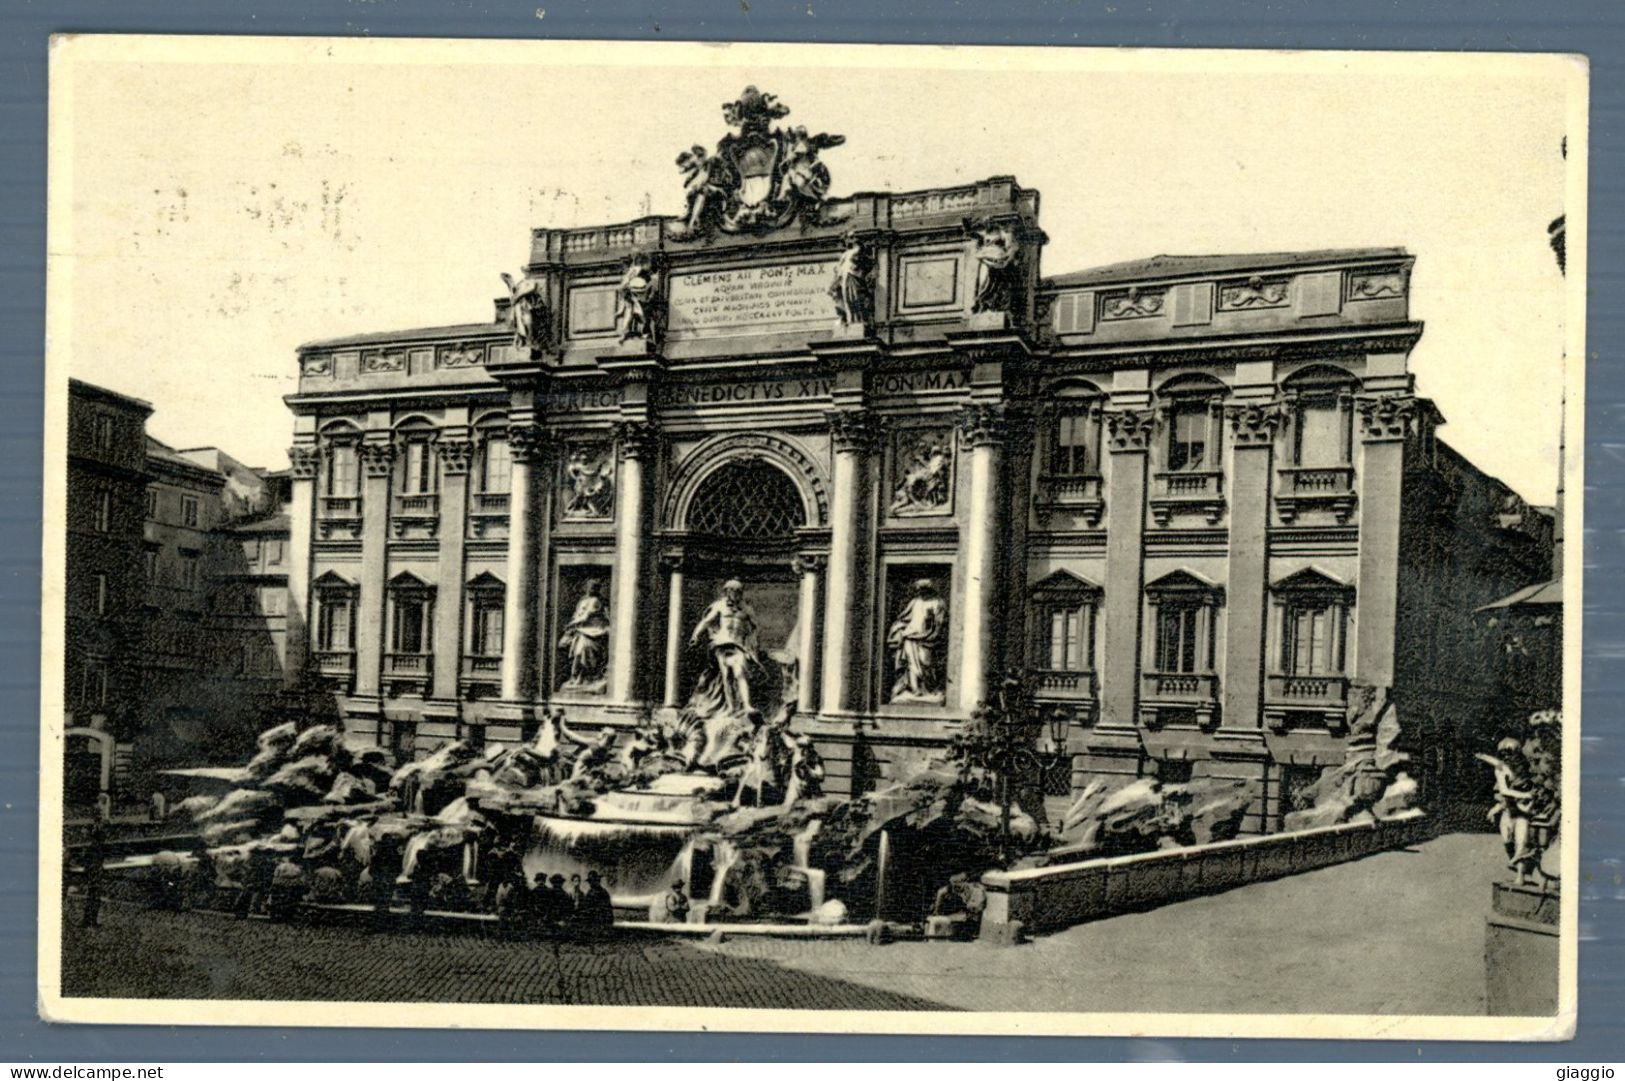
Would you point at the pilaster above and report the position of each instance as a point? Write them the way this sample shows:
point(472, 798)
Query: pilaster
point(1128, 440)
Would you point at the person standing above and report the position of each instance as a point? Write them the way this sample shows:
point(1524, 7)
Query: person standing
point(676, 903)
point(577, 899)
point(597, 910)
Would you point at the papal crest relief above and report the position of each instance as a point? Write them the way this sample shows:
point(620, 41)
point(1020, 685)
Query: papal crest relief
point(760, 179)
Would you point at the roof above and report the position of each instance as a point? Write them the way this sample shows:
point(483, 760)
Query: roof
point(271, 523)
point(1181, 266)
point(159, 451)
point(1541, 595)
point(452, 332)
point(91, 390)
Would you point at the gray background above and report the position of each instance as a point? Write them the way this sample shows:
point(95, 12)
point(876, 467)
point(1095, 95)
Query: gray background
point(1596, 28)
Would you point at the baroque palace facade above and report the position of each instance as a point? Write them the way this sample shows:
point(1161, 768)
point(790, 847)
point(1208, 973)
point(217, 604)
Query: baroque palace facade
point(860, 457)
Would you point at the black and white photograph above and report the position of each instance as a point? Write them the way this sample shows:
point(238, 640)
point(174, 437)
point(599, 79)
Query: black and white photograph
point(812, 538)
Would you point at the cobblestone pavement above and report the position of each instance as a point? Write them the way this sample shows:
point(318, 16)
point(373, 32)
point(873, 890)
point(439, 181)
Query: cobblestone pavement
point(142, 954)
point(1400, 932)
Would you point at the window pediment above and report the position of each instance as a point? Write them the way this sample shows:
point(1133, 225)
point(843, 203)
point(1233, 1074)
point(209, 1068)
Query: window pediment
point(1064, 585)
point(1312, 580)
point(333, 580)
point(406, 580)
point(1183, 584)
point(486, 581)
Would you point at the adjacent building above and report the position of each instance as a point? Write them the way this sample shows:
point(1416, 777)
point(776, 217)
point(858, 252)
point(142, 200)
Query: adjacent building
point(104, 583)
point(863, 457)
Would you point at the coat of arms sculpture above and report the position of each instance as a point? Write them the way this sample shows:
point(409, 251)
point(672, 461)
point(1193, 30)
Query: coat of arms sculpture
point(760, 179)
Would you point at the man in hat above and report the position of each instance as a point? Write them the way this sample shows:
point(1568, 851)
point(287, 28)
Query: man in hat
point(676, 903)
point(95, 872)
point(577, 896)
point(559, 907)
point(597, 910)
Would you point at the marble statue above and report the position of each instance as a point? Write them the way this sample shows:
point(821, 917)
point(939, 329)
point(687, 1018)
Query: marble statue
point(729, 630)
point(1527, 798)
point(853, 286)
point(586, 639)
point(637, 301)
point(997, 263)
point(922, 465)
point(589, 475)
point(527, 313)
point(918, 639)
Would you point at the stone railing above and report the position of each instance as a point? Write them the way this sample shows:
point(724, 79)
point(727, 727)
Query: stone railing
point(1057, 683)
point(1050, 898)
point(1179, 688)
point(1301, 487)
point(1069, 493)
point(1199, 491)
point(1307, 690)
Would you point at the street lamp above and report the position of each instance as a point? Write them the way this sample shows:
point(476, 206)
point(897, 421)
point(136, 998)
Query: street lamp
point(1001, 740)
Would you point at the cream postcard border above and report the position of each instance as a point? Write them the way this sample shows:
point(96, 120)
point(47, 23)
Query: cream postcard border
point(68, 51)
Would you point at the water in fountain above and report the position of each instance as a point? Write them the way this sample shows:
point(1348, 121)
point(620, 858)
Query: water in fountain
point(638, 860)
point(815, 876)
point(414, 849)
point(725, 856)
point(882, 872)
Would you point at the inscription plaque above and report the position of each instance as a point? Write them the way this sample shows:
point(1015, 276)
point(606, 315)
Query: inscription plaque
point(715, 302)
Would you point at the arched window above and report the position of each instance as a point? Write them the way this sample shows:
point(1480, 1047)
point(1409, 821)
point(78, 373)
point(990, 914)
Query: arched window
point(1321, 409)
point(1194, 430)
point(749, 500)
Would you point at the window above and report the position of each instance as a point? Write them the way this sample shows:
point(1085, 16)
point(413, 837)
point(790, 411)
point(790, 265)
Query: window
point(485, 625)
point(93, 690)
point(104, 510)
point(273, 600)
point(343, 474)
point(417, 468)
point(1189, 431)
point(1184, 611)
point(496, 466)
point(152, 504)
point(1064, 623)
point(1177, 637)
point(273, 553)
point(411, 602)
point(189, 510)
point(189, 577)
point(104, 433)
point(101, 594)
point(1310, 640)
point(150, 563)
point(1076, 443)
point(334, 621)
point(1322, 408)
point(1311, 616)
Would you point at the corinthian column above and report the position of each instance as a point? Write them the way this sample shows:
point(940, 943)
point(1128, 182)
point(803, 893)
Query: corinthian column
point(376, 460)
point(1128, 439)
point(455, 452)
point(981, 433)
point(808, 566)
point(636, 441)
point(528, 447)
point(1253, 426)
point(853, 433)
point(1386, 423)
point(306, 464)
point(673, 562)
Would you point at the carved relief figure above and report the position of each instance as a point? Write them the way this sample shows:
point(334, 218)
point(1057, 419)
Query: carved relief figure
point(728, 628)
point(998, 261)
point(853, 287)
point(637, 302)
point(924, 461)
point(759, 179)
point(527, 313)
point(589, 477)
point(918, 640)
point(585, 641)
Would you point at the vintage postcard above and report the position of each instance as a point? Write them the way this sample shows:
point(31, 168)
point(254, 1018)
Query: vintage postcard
point(856, 539)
